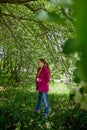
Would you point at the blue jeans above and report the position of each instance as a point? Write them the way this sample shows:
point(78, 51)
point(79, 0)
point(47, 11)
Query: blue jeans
point(46, 102)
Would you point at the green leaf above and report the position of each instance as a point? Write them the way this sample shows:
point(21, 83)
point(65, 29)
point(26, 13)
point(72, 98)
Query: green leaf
point(69, 46)
point(81, 90)
point(48, 16)
point(77, 80)
point(71, 96)
point(63, 3)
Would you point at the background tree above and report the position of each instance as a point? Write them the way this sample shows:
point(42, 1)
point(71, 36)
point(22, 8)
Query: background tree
point(25, 40)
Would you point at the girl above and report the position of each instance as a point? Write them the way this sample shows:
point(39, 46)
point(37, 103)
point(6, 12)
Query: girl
point(42, 85)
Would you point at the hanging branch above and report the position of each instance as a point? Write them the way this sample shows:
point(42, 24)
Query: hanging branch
point(15, 1)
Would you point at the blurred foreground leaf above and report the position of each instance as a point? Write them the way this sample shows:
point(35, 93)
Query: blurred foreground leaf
point(69, 46)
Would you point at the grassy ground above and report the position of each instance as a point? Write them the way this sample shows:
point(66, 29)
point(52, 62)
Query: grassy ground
point(17, 105)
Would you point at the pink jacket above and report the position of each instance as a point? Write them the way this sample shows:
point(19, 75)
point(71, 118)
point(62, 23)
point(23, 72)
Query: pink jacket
point(44, 77)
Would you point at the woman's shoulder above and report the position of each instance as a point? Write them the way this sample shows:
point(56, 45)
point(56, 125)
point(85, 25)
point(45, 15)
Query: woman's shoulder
point(45, 68)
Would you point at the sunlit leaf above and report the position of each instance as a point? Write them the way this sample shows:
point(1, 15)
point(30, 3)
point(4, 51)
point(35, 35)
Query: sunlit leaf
point(63, 3)
point(49, 16)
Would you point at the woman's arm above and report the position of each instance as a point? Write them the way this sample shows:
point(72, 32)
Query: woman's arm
point(46, 77)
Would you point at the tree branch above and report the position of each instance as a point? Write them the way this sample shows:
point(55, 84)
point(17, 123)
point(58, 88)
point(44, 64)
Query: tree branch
point(66, 15)
point(15, 1)
point(31, 8)
point(14, 16)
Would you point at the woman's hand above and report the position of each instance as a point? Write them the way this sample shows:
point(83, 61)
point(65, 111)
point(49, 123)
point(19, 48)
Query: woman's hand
point(38, 80)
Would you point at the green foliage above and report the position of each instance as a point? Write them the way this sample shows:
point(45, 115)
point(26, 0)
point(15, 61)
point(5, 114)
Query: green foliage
point(61, 3)
point(69, 46)
point(76, 76)
point(18, 104)
point(77, 80)
point(49, 16)
point(26, 39)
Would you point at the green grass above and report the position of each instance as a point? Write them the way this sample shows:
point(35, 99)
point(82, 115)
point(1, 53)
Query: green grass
point(58, 88)
point(17, 105)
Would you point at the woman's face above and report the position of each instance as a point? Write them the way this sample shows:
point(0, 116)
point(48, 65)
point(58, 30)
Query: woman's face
point(40, 64)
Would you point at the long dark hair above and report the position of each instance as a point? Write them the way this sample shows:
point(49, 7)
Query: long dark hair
point(45, 63)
